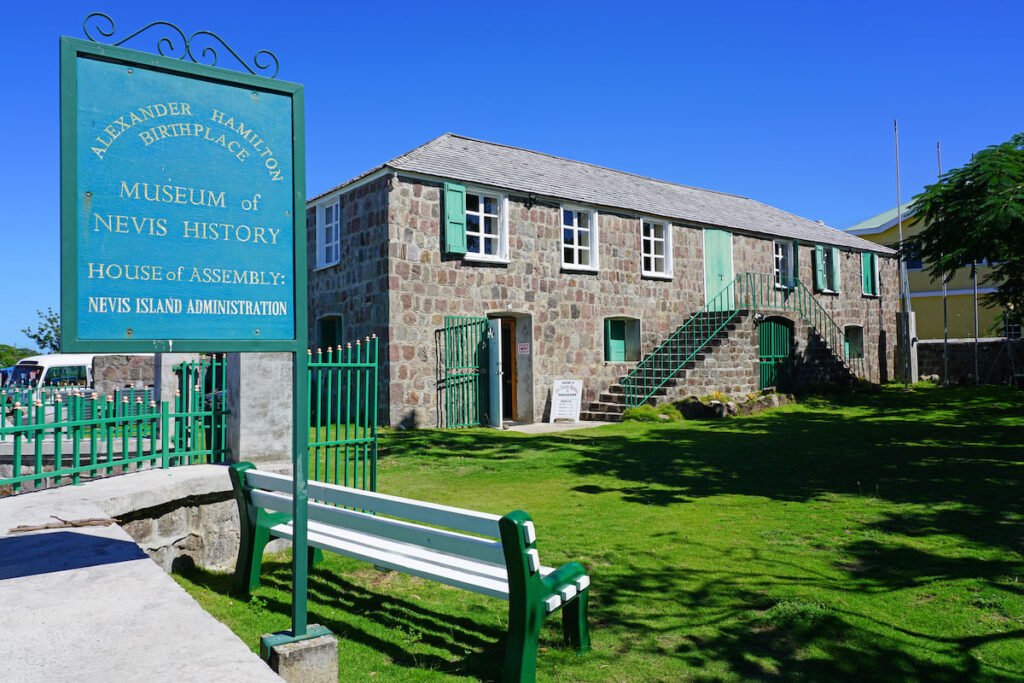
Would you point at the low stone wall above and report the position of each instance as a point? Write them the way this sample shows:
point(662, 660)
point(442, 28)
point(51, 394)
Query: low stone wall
point(180, 517)
point(1000, 361)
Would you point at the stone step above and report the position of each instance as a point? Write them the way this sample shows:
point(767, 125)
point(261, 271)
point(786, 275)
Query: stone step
point(600, 417)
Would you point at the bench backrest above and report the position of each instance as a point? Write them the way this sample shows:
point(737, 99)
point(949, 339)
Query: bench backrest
point(402, 520)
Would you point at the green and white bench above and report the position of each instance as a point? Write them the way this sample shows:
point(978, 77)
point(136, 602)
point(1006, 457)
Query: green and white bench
point(475, 551)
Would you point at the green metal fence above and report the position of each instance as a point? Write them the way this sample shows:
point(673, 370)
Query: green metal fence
point(752, 292)
point(465, 371)
point(343, 414)
point(71, 437)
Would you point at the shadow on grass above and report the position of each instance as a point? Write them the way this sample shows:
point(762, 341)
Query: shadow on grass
point(953, 459)
point(348, 610)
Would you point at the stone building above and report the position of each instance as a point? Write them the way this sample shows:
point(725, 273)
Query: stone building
point(463, 254)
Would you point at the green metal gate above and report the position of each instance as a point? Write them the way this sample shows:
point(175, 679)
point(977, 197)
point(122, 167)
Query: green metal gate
point(343, 414)
point(775, 351)
point(465, 371)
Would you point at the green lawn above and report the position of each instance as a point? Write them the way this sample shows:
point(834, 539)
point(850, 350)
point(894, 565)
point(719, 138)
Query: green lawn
point(875, 537)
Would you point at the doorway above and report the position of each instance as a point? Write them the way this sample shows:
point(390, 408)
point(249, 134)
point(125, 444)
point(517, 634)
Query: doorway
point(509, 395)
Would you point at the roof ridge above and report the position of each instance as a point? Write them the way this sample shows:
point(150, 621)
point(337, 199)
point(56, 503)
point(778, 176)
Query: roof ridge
point(582, 163)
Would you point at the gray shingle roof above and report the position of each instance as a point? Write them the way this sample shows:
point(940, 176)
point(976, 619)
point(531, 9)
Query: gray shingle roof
point(475, 161)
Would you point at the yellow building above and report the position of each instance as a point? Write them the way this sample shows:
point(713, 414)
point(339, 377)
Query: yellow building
point(926, 293)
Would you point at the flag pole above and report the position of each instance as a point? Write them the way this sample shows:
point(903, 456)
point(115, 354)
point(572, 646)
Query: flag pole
point(945, 302)
point(904, 291)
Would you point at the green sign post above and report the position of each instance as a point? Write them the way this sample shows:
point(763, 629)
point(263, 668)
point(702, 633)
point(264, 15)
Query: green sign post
point(183, 218)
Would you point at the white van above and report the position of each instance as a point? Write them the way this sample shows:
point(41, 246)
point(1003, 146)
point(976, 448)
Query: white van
point(58, 370)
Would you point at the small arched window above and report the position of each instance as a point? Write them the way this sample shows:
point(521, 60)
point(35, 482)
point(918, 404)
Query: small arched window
point(854, 341)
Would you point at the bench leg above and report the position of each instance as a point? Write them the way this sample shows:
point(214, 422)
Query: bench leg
point(316, 556)
point(251, 574)
point(574, 622)
point(521, 645)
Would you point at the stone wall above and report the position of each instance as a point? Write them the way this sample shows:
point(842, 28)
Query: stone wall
point(567, 308)
point(356, 289)
point(112, 372)
point(730, 367)
point(1000, 361)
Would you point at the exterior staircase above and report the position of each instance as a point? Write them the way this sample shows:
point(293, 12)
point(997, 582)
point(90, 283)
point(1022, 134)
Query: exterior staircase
point(664, 367)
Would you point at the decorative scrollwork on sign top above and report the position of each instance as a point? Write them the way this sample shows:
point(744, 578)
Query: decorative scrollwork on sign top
point(265, 61)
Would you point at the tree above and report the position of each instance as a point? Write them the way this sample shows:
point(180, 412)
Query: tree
point(974, 213)
point(47, 333)
point(9, 355)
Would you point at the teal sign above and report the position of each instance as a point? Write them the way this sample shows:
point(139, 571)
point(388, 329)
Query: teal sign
point(184, 232)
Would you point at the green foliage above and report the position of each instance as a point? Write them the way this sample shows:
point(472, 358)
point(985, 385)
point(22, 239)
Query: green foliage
point(666, 412)
point(856, 537)
point(46, 335)
point(9, 355)
point(976, 212)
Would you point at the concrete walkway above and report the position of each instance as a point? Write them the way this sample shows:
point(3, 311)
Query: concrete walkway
point(86, 604)
point(547, 428)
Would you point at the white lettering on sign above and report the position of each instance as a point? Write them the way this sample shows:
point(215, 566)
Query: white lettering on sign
point(566, 396)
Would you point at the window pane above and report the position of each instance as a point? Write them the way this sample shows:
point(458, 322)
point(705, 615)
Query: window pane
point(568, 236)
point(584, 257)
point(567, 255)
point(567, 217)
point(490, 205)
point(584, 237)
point(472, 202)
point(583, 219)
point(473, 244)
point(490, 225)
point(647, 263)
point(659, 248)
point(490, 246)
point(646, 230)
point(472, 223)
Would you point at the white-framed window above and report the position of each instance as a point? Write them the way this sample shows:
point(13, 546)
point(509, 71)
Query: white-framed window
point(783, 265)
point(655, 248)
point(579, 238)
point(328, 233)
point(486, 225)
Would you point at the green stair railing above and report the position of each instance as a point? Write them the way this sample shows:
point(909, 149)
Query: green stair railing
point(683, 345)
point(747, 291)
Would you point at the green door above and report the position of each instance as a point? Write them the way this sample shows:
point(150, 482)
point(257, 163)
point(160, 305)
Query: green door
point(717, 269)
point(774, 350)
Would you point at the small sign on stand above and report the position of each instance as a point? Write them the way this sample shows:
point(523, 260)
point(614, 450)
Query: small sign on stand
point(566, 396)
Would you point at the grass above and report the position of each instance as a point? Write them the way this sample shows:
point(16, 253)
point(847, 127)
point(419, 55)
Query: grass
point(855, 538)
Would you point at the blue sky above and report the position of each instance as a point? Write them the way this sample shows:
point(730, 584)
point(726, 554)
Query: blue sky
point(790, 103)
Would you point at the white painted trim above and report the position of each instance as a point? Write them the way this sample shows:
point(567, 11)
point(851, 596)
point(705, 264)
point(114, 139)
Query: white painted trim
point(669, 253)
point(595, 237)
point(503, 226)
point(953, 292)
point(354, 185)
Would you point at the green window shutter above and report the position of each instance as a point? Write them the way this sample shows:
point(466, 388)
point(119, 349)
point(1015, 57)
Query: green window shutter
point(454, 218)
point(836, 279)
point(819, 267)
point(796, 262)
point(614, 340)
point(865, 271)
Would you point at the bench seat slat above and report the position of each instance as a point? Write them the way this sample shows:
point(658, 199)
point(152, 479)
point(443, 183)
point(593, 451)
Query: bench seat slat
point(430, 513)
point(390, 560)
point(413, 551)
